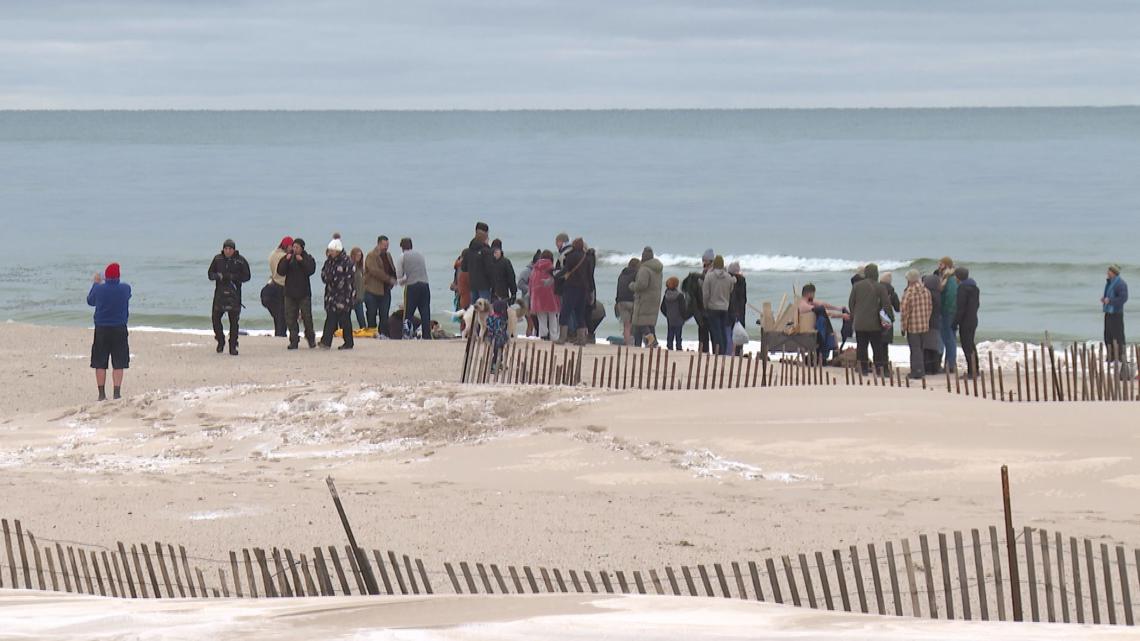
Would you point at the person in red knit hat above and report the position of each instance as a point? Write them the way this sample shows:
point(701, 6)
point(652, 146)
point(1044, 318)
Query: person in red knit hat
point(110, 297)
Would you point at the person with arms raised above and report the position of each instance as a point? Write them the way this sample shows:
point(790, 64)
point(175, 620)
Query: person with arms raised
point(110, 297)
point(298, 267)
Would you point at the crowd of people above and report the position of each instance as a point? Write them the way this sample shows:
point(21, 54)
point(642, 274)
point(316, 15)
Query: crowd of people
point(556, 293)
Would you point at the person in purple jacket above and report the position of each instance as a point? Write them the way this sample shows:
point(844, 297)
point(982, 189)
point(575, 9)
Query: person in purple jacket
point(111, 299)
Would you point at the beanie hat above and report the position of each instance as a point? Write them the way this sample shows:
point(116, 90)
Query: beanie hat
point(335, 245)
point(1114, 268)
point(961, 273)
point(734, 267)
point(708, 256)
point(286, 242)
point(112, 271)
point(299, 241)
point(229, 243)
point(672, 282)
point(718, 262)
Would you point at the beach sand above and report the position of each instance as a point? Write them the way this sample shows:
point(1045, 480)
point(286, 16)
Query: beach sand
point(219, 453)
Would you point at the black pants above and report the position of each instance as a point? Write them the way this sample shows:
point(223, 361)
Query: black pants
point(1114, 340)
point(417, 299)
point(874, 340)
point(216, 318)
point(299, 309)
point(335, 320)
point(273, 299)
point(703, 336)
point(969, 348)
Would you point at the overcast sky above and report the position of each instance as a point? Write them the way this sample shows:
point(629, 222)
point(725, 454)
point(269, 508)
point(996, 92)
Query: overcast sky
point(501, 54)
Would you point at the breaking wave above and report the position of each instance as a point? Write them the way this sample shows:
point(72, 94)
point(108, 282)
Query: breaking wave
point(763, 262)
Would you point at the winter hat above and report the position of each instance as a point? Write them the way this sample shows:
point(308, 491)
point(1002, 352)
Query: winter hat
point(734, 268)
point(286, 242)
point(112, 271)
point(229, 243)
point(718, 262)
point(335, 245)
point(962, 273)
point(708, 256)
point(1114, 268)
point(672, 282)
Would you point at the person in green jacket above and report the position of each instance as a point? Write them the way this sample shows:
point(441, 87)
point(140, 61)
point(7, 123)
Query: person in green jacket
point(869, 304)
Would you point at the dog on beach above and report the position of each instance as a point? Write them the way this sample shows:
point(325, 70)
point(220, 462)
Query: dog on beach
point(475, 319)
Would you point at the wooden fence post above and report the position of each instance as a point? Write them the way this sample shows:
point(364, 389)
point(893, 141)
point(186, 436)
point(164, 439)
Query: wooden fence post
point(1011, 546)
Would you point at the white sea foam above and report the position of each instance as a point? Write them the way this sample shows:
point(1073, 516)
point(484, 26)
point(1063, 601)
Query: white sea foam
point(764, 262)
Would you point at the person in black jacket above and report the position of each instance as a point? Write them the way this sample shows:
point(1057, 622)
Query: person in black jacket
point(228, 270)
point(966, 318)
point(477, 263)
point(504, 284)
point(297, 267)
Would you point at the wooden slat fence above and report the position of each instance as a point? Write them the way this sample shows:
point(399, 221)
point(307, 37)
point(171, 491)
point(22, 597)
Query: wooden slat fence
point(957, 575)
point(1080, 373)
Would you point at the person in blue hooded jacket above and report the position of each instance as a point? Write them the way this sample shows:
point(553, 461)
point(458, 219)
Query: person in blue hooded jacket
point(111, 299)
point(1115, 296)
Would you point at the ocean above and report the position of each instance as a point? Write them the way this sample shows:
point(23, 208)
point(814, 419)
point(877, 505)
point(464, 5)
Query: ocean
point(1036, 202)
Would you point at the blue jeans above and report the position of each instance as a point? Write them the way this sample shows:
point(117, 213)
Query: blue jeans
point(674, 339)
point(377, 307)
point(418, 299)
point(573, 315)
point(717, 321)
point(476, 294)
point(359, 310)
point(949, 342)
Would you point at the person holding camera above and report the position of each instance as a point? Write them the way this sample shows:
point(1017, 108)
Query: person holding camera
point(298, 267)
point(111, 299)
point(228, 270)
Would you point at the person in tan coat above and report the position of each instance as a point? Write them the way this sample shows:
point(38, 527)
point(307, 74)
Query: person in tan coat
point(379, 280)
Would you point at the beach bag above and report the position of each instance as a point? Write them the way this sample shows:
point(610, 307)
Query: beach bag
point(885, 320)
point(739, 334)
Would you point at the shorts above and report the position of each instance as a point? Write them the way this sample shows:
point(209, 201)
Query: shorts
point(624, 312)
point(110, 344)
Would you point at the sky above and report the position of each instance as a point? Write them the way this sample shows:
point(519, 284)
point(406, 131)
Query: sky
point(569, 54)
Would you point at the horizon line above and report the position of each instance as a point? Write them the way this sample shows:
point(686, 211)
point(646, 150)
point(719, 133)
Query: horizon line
point(552, 109)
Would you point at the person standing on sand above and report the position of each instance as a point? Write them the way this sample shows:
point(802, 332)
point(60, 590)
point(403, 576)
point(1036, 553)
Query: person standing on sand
point(869, 303)
point(504, 285)
point(337, 275)
point(673, 309)
point(298, 267)
point(413, 275)
point(949, 290)
point(228, 270)
point(623, 300)
point(544, 303)
point(886, 279)
point(692, 288)
point(647, 293)
point(273, 294)
point(357, 256)
point(524, 294)
point(716, 291)
point(111, 300)
point(576, 285)
point(1115, 296)
point(477, 264)
point(737, 306)
point(915, 309)
point(968, 300)
point(562, 248)
point(379, 279)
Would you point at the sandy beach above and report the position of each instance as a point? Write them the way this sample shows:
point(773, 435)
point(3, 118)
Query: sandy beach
point(218, 453)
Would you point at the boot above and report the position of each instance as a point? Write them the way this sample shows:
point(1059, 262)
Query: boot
point(583, 337)
point(563, 335)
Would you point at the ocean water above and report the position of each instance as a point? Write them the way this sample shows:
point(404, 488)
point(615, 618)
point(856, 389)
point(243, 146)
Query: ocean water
point(1035, 201)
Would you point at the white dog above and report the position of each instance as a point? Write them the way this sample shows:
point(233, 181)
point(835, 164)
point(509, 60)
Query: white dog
point(475, 317)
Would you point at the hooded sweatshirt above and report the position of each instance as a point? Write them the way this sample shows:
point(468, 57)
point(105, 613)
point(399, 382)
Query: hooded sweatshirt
point(969, 300)
point(111, 300)
point(646, 290)
point(868, 298)
point(717, 289)
point(673, 307)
